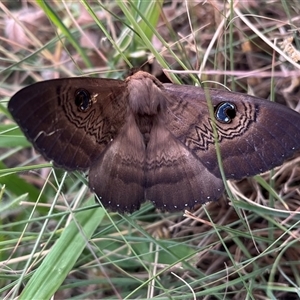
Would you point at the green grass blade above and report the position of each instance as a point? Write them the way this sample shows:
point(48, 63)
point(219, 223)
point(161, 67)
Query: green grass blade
point(64, 254)
point(59, 24)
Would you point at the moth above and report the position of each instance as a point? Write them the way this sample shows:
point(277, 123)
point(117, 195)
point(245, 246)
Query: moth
point(144, 140)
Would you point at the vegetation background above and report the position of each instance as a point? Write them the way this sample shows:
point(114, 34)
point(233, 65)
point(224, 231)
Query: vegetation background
point(55, 242)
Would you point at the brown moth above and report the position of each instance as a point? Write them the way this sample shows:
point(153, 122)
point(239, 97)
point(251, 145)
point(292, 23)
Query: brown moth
point(144, 140)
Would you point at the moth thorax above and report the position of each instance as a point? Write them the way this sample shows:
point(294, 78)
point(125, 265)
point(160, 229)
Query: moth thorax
point(146, 98)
